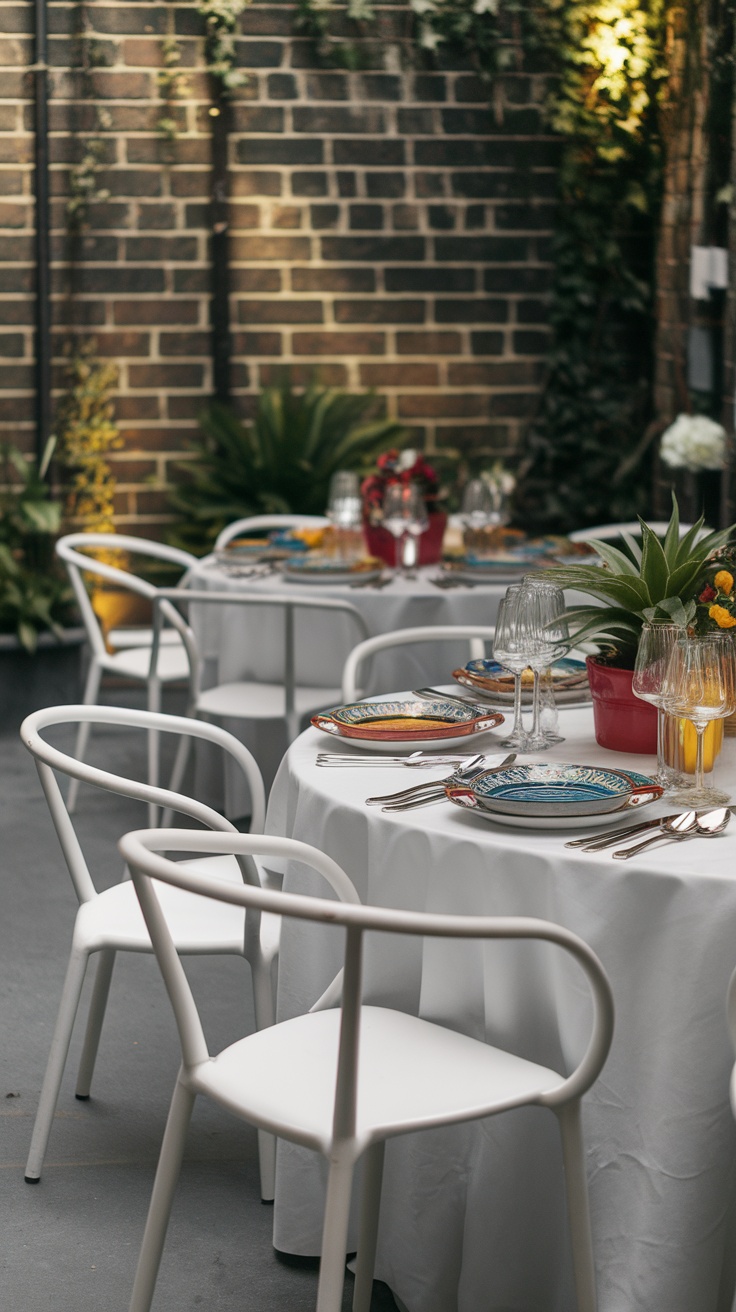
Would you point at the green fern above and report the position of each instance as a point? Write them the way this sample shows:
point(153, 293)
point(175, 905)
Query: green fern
point(281, 462)
point(654, 580)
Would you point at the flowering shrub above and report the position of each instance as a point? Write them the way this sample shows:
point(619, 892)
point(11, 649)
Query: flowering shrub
point(716, 600)
point(693, 442)
point(396, 466)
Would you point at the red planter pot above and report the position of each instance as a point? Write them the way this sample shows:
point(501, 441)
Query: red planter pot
point(623, 722)
point(380, 543)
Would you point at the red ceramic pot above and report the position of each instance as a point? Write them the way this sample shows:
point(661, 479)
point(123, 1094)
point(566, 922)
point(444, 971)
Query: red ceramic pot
point(623, 722)
point(380, 543)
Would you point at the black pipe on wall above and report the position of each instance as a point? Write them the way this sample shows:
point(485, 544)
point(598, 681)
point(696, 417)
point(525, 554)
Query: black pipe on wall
point(220, 276)
point(43, 251)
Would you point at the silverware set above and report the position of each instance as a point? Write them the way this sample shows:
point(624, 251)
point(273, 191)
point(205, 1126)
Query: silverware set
point(433, 790)
point(669, 829)
point(415, 761)
point(383, 582)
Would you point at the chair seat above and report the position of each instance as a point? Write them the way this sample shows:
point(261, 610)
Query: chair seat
point(134, 663)
point(197, 924)
point(122, 639)
point(412, 1074)
point(263, 701)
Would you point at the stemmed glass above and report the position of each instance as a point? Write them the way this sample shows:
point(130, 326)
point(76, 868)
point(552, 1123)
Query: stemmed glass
point(545, 636)
point(650, 669)
point(405, 516)
point(700, 686)
point(509, 651)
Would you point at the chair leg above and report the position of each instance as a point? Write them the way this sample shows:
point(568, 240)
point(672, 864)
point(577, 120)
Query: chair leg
point(91, 689)
point(265, 1015)
point(335, 1234)
point(95, 1018)
point(55, 1066)
point(576, 1184)
point(368, 1233)
point(154, 704)
point(164, 1186)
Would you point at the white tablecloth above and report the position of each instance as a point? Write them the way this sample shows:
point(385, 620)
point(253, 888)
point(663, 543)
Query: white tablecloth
point(238, 643)
point(473, 1217)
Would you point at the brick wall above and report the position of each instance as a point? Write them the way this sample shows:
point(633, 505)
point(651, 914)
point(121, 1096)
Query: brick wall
point(388, 230)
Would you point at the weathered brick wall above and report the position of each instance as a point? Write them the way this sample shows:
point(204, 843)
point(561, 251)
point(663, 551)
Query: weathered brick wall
point(388, 230)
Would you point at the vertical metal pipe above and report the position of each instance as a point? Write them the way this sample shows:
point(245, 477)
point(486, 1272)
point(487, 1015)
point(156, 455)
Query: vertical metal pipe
point(43, 252)
point(220, 276)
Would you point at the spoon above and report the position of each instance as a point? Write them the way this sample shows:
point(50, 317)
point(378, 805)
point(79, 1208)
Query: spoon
point(711, 823)
point(678, 827)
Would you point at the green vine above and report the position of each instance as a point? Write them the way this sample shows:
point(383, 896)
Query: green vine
point(221, 21)
point(86, 432)
point(173, 85)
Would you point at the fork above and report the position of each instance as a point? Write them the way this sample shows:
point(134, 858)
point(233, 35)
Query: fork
point(436, 794)
point(428, 785)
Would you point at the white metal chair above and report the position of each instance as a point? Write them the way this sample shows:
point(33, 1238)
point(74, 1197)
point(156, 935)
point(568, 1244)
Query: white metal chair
point(609, 532)
point(478, 636)
point(252, 699)
point(731, 1017)
point(110, 921)
point(342, 1081)
point(261, 523)
point(154, 659)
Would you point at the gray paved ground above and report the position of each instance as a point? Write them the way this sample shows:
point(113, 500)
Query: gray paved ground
point(69, 1244)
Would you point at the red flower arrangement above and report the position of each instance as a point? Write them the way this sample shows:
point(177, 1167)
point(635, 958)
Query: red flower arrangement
point(399, 467)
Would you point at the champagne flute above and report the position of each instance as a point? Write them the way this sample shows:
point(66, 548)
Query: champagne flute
point(700, 686)
point(546, 638)
point(650, 669)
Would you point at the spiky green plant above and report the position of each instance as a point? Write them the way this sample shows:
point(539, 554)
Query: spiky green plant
point(35, 595)
point(654, 580)
point(283, 461)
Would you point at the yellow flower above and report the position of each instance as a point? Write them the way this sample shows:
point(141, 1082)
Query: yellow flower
point(723, 618)
point(724, 581)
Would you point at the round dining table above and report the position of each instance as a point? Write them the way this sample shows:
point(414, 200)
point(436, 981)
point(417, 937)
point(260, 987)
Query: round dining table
point(473, 1216)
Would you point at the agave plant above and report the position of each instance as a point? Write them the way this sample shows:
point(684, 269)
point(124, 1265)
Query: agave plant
point(283, 461)
point(34, 592)
point(648, 581)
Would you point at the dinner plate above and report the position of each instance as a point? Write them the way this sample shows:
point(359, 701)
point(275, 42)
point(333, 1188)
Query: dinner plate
point(327, 571)
point(384, 725)
point(490, 680)
point(501, 569)
point(545, 795)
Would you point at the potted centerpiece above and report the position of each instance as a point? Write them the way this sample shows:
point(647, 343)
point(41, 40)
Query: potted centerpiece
point(639, 582)
point(402, 467)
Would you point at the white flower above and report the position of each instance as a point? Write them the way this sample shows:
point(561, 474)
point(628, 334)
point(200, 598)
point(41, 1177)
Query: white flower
point(430, 39)
point(407, 458)
point(485, 7)
point(694, 442)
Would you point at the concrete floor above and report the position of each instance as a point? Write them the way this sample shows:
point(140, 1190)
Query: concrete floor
point(70, 1243)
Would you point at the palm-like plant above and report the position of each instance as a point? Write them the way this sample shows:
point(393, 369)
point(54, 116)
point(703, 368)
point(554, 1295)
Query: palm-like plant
point(654, 580)
point(34, 592)
point(283, 461)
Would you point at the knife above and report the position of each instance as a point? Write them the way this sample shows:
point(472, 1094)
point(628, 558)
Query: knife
point(593, 842)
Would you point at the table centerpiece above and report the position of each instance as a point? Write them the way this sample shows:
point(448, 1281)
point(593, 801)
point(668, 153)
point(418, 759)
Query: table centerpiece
point(402, 467)
point(654, 580)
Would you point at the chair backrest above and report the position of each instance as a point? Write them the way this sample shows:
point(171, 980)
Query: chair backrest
point(73, 548)
point(609, 532)
point(142, 851)
point(288, 604)
point(731, 1017)
point(478, 636)
point(260, 523)
point(50, 760)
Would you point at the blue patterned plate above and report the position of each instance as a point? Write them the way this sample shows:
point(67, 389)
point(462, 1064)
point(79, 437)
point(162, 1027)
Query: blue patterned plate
point(384, 725)
point(489, 679)
point(548, 795)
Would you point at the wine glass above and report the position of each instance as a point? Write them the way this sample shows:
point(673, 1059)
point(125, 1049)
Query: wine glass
point(650, 670)
point(700, 686)
point(545, 637)
point(405, 516)
point(507, 650)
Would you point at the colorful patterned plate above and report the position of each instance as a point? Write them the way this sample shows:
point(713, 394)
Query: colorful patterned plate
point(323, 569)
point(384, 725)
point(556, 796)
point(489, 679)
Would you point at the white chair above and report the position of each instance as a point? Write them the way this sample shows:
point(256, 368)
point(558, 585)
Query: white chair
point(261, 523)
point(342, 1081)
point(478, 636)
point(253, 699)
point(609, 532)
point(731, 1017)
point(153, 659)
point(111, 921)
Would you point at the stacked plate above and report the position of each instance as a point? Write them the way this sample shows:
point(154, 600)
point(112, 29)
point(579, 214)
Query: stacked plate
point(549, 796)
point(326, 569)
point(489, 679)
point(385, 725)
